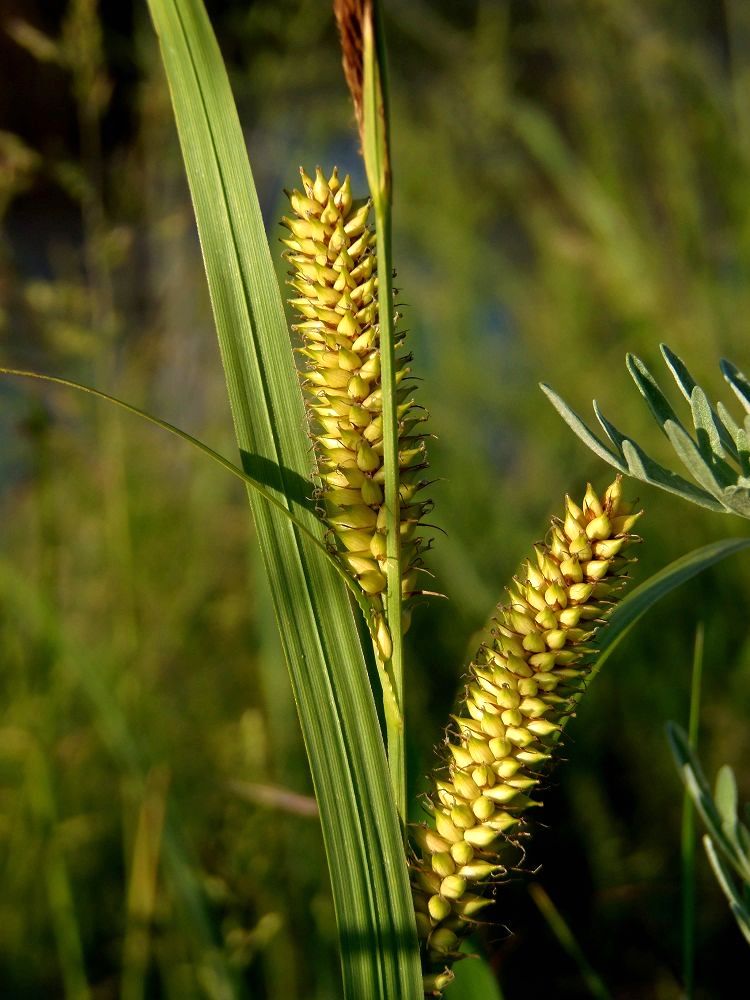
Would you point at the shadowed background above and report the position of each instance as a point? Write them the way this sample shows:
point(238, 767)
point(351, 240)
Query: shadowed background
point(571, 182)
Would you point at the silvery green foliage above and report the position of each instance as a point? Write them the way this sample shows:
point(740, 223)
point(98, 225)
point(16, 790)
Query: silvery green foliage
point(727, 842)
point(717, 455)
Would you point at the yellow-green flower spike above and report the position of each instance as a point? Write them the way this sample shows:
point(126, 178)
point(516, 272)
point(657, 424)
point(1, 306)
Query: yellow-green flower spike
point(331, 248)
point(521, 689)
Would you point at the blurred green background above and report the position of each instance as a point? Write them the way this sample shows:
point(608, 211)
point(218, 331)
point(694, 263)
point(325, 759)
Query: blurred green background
point(572, 181)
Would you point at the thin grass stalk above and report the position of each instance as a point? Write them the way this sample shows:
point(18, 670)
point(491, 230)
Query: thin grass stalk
point(568, 941)
point(83, 47)
point(56, 876)
point(375, 148)
point(394, 723)
point(142, 895)
point(688, 838)
point(250, 481)
point(82, 666)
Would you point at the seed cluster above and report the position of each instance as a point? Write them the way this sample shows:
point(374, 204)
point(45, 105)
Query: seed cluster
point(332, 251)
point(521, 690)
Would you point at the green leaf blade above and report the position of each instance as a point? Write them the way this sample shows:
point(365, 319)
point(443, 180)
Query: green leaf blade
point(737, 904)
point(738, 381)
point(690, 456)
point(579, 427)
point(644, 597)
point(685, 381)
point(712, 436)
point(642, 466)
point(725, 795)
point(363, 841)
point(649, 389)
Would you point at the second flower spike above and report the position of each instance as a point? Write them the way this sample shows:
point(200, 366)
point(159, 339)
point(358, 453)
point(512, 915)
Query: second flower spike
point(331, 248)
point(523, 687)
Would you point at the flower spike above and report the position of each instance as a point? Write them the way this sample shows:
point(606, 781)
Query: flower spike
point(331, 248)
point(523, 686)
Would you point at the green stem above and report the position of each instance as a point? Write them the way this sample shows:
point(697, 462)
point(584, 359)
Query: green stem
point(375, 148)
point(57, 879)
point(557, 924)
point(688, 836)
point(394, 726)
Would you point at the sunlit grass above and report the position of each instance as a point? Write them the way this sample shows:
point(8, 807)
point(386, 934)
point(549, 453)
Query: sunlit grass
point(572, 223)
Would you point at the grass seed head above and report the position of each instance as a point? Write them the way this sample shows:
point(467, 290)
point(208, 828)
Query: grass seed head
point(522, 688)
point(331, 248)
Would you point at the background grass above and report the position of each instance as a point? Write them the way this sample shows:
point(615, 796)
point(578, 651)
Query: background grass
point(571, 182)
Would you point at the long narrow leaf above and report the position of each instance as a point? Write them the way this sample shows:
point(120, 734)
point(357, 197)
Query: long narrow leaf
point(739, 438)
point(616, 436)
point(632, 460)
point(691, 457)
point(647, 470)
point(644, 597)
point(724, 836)
point(568, 941)
point(738, 381)
point(726, 880)
point(643, 467)
point(679, 370)
point(706, 422)
point(712, 437)
point(336, 708)
point(576, 424)
point(250, 481)
point(658, 403)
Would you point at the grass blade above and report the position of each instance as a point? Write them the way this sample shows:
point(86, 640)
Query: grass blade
point(644, 597)
point(250, 481)
point(83, 665)
point(567, 939)
point(688, 835)
point(142, 886)
point(335, 704)
point(692, 774)
point(725, 879)
point(55, 875)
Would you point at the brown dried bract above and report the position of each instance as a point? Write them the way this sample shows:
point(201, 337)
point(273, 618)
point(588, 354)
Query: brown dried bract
point(351, 16)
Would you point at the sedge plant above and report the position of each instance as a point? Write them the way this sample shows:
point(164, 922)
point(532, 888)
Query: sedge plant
point(343, 536)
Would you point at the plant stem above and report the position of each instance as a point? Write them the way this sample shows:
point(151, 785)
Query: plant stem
point(395, 728)
point(557, 924)
point(56, 876)
point(375, 148)
point(688, 837)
